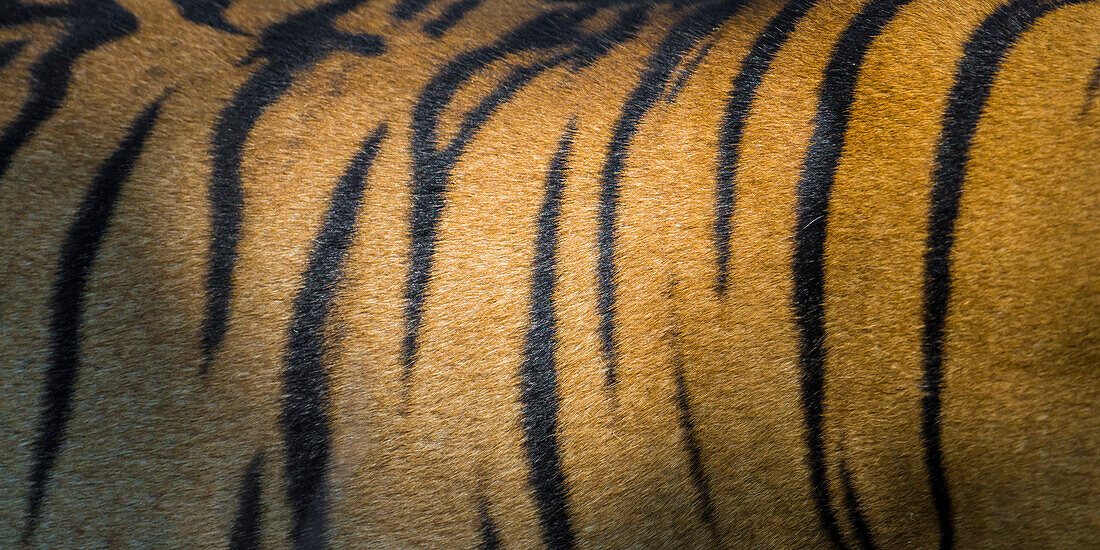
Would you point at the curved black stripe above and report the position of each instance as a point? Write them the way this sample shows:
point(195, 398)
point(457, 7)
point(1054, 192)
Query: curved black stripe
point(983, 56)
point(450, 17)
point(78, 255)
point(808, 268)
point(487, 528)
point(691, 444)
point(207, 12)
point(89, 24)
point(305, 415)
point(590, 48)
point(246, 526)
point(538, 373)
point(687, 71)
point(755, 64)
point(680, 39)
point(860, 528)
point(9, 51)
point(289, 47)
point(432, 164)
point(407, 9)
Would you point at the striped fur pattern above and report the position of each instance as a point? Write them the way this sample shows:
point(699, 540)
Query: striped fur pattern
point(546, 273)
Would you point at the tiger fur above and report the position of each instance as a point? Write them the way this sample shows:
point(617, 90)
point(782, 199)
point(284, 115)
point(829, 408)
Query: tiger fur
point(540, 273)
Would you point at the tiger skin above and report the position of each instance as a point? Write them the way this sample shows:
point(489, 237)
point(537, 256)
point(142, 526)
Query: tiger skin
point(526, 273)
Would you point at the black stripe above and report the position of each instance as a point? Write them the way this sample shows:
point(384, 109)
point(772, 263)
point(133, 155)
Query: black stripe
point(983, 56)
point(432, 164)
point(538, 373)
point(407, 9)
point(680, 39)
point(305, 415)
point(592, 47)
point(246, 526)
point(78, 255)
point(691, 444)
point(89, 25)
point(687, 71)
point(450, 17)
point(814, 187)
point(753, 68)
point(487, 528)
point(207, 12)
point(1091, 90)
point(9, 51)
point(15, 12)
point(855, 511)
point(289, 47)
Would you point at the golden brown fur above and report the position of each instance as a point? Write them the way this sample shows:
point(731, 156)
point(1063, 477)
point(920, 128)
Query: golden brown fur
point(155, 450)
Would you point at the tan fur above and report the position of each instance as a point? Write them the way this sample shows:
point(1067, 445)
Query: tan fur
point(154, 451)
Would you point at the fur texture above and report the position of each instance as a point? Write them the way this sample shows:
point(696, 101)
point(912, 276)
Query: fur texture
point(542, 273)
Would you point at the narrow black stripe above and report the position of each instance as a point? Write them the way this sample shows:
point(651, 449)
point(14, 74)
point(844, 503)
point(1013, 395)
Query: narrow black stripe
point(855, 511)
point(207, 12)
point(78, 255)
point(691, 444)
point(227, 198)
point(808, 268)
point(89, 25)
point(407, 9)
point(538, 373)
point(680, 39)
point(983, 56)
point(487, 528)
point(289, 47)
point(9, 51)
point(753, 68)
point(432, 163)
point(246, 526)
point(687, 71)
point(450, 17)
point(1091, 90)
point(305, 415)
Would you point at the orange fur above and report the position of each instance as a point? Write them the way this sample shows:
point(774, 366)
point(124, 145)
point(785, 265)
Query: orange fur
point(155, 450)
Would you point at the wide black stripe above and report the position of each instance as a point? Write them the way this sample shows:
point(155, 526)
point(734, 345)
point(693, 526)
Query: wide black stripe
point(860, 528)
point(15, 12)
point(89, 25)
point(691, 443)
point(983, 56)
point(450, 17)
point(246, 526)
point(681, 38)
point(305, 415)
point(538, 373)
point(78, 255)
point(9, 51)
point(289, 47)
point(207, 12)
point(753, 67)
point(432, 163)
point(808, 267)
